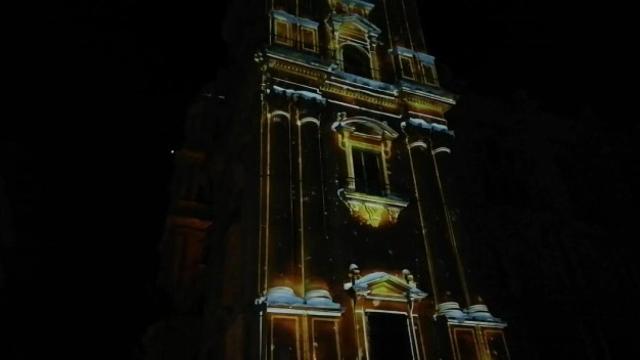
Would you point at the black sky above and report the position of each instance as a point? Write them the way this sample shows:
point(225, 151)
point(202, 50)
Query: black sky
point(103, 89)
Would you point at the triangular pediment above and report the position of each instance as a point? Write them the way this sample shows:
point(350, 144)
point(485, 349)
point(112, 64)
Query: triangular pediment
point(357, 20)
point(387, 288)
point(381, 285)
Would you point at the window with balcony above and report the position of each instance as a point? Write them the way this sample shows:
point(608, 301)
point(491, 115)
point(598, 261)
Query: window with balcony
point(367, 191)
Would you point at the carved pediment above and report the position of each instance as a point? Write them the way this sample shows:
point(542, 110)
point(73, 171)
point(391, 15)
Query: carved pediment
point(364, 24)
point(383, 286)
point(366, 125)
point(372, 210)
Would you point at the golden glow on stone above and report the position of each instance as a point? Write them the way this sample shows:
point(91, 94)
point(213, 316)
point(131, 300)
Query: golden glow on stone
point(372, 210)
point(368, 213)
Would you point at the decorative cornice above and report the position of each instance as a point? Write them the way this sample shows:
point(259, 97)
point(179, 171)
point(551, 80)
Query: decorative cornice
point(371, 209)
point(295, 69)
point(425, 104)
point(365, 91)
point(427, 92)
point(296, 95)
point(431, 127)
point(338, 89)
point(284, 297)
point(421, 56)
point(477, 315)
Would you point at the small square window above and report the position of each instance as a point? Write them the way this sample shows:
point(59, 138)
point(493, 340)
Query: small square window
point(429, 75)
point(309, 39)
point(282, 32)
point(407, 67)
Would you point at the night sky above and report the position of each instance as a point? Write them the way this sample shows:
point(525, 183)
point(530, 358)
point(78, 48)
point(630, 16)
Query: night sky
point(103, 90)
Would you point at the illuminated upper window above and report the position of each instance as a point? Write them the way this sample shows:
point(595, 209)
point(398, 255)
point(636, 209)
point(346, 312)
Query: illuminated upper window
point(309, 39)
point(407, 67)
point(292, 30)
point(355, 40)
point(429, 74)
point(282, 32)
point(417, 66)
point(367, 145)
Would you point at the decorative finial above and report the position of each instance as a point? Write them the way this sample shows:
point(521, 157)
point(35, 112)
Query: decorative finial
point(408, 277)
point(354, 273)
point(258, 57)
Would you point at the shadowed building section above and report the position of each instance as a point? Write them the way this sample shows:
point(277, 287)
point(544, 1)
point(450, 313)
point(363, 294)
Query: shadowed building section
point(6, 230)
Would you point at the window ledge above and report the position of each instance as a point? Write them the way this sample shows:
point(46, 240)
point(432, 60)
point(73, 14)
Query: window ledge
point(373, 210)
point(428, 90)
point(366, 83)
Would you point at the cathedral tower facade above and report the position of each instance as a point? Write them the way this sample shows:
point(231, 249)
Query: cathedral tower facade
point(342, 242)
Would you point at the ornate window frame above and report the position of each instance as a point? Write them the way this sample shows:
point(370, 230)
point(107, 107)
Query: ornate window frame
point(357, 31)
point(278, 37)
point(421, 65)
point(367, 134)
point(384, 293)
point(295, 26)
point(429, 69)
point(407, 68)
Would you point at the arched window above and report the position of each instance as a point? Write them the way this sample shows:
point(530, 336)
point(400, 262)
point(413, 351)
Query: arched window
point(355, 60)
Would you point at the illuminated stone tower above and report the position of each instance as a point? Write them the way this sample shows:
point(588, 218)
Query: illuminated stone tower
point(341, 241)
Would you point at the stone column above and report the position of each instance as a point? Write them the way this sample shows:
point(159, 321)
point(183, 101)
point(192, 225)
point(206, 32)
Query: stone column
point(310, 207)
point(441, 151)
point(446, 284)
point(280, 237)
